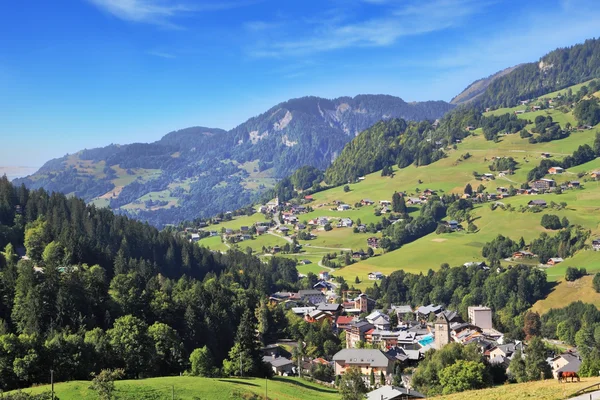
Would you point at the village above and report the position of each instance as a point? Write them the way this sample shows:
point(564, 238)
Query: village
point(377, 341)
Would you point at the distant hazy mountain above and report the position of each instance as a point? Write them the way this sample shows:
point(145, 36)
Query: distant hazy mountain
point(199, 171)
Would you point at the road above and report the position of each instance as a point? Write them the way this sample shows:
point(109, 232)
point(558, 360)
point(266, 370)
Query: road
point(588, 396)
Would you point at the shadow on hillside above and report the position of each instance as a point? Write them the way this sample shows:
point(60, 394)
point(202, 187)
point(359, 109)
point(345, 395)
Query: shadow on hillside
point(238, 382)
point(304, 385)
point(550, 286)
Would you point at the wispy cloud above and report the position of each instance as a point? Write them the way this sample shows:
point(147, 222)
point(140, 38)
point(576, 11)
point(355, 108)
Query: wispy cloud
point(161, 54)
point(163, 12)
point(400, 20)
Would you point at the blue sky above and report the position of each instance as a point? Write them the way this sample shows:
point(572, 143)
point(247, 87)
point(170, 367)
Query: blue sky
point(79, 74)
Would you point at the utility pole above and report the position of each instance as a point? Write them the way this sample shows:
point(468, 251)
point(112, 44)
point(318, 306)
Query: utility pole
point(52, 382)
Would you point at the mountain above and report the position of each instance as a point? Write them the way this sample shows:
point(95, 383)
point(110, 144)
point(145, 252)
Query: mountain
point(198, 171)
point(556, 70)
point(477, 88)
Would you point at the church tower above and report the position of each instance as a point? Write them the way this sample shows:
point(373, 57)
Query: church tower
point(442, 331)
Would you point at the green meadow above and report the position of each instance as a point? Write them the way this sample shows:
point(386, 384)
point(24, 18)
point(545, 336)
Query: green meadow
point(187, 387)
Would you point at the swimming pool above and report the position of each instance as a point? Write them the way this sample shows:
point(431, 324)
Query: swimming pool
point(426, 340)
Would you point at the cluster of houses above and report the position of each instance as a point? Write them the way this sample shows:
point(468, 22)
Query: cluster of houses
point(398, 334)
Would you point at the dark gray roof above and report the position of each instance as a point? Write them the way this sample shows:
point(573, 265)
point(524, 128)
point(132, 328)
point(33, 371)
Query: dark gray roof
point(277, 361)
point(309, 292)
point(375, 358)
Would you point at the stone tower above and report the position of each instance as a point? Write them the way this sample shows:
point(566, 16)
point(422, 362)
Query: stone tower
point(442, 331)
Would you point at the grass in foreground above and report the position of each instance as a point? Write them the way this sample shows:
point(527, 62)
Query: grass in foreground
point(187, 387)
point(542, 390)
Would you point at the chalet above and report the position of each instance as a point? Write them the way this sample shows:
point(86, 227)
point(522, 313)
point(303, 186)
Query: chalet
point(275, 249)
point(357, 255)
point(414, 200)
point(195, 238)
point(501, 190)
point(555, 261)
point(537, 203)
point(202, 224)
point(302, 311)
point(595, 175)
point(492, 196)
point(367, 360)
point(453, 225)
point(428, 192)
point(361, 178)
point(524, 102)
point(385, 203)
point(367, 202)
point(543, 184)
point(517, 255)
point(488, 176)
point(333, 308)
point(261, 230)
point(375, 276)
point(280, 365)
point(546, 155)
point(299, 227)
point(596, 244)
point(401, 311)
point(214, 233)
point(318, 316)
point(284, 229)
point(245, 236)
point(556, 170)
point(322, 221)
point(343, 322)
point(311, 296)
point(373, 242)
point(379, 320)
point(305, 262)
point(343, 207)
point(536, 108)
point(346, 222)
point(573, 184)
point(517, 112)
point(469, 128)
point(308, 198)
point(423, 312)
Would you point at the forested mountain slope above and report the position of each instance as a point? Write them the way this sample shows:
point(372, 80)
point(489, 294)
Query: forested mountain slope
point(556, 70)
point(198, 172)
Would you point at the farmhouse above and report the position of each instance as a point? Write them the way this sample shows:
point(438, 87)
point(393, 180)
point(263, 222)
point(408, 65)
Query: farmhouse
point(537, 203)
point(280, 365)
point(367, 202)
point(555, 260)
point(556, 170)
point(596, 244)
point(343, 207)
point(373, 242)
point(566, 362)
point(366, 360)
point(385, 203)
point(517, 255)
point(595, 175)
point(375, 276)
point(543, 184)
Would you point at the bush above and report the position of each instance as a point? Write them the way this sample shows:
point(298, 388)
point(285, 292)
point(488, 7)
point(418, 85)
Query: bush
point(550, 221)
point(596, 282)
point(574, 273)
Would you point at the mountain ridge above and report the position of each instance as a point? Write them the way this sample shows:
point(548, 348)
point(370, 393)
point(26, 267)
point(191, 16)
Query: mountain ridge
point(181, 175)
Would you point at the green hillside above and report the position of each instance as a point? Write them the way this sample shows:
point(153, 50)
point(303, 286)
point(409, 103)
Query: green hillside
point(186, 387)
point(450, 175)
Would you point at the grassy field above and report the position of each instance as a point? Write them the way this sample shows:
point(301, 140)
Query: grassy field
point(567, 292)
point(542, 390)
point(185, 387)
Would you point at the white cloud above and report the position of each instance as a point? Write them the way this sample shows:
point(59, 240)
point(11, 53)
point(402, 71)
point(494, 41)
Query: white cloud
point(414, 18)
point(163, 12)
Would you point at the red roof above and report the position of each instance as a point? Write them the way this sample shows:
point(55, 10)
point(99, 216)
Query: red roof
point(344, 320)
point(320, 361)
point(308, 197)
